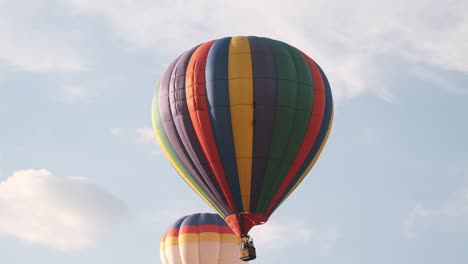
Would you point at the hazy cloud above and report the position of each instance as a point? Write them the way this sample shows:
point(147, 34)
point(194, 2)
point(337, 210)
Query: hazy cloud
point(413, 217)
point(115, 131)
point(28, 43)
point(77, 94)
point(141, 136)
point(172, 212)
point(145, 135)
point(271, 236)
point(454, 86)
point(281, 234)
point(451, 214)
point(67, 213)
point(348, 45)
point(352, 47)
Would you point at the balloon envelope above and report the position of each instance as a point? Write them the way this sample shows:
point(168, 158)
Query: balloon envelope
point(243, 120)
point(200, 239)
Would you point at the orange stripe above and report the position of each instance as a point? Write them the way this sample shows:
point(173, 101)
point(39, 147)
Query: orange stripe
point(198, 108)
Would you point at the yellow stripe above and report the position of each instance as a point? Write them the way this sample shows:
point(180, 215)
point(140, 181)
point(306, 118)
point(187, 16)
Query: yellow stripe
point(202, 237)
point(207, 237)
point(313, 160)
point(174, 164)
point(162, 245)
point(230, 238)
point(241, 104)
point(169, 241)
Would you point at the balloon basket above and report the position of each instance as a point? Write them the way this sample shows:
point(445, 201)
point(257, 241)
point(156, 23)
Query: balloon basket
point(247, 250)
point(247, 254)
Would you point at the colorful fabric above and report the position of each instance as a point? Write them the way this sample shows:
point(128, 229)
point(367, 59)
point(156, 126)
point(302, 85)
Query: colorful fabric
point(200, 239)
point(243, 120)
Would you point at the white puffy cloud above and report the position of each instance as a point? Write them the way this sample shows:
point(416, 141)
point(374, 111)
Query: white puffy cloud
point(276, 235)
point(67, 213)
point(348, 39)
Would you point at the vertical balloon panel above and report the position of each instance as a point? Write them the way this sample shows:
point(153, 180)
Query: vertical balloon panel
point(170, 255)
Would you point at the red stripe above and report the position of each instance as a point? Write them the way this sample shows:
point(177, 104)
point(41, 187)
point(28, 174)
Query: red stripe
point(205, 228)
point(173, 232)
point(315, 121)
point(198, 108)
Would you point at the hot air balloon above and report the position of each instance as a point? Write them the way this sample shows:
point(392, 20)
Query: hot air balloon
point(243, 120)
point(200, 239)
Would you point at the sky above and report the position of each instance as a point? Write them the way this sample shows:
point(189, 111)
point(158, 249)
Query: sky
point(83, 180)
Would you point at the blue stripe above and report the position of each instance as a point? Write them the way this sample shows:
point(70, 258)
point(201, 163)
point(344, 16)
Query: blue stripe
point(198, 220)
point(217, 90)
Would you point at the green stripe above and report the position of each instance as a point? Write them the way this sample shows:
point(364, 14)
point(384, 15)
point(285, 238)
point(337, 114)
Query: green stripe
point(170, 149)
point(294, 107)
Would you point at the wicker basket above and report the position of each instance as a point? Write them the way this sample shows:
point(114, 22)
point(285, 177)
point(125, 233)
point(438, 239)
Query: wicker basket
point(247, 254)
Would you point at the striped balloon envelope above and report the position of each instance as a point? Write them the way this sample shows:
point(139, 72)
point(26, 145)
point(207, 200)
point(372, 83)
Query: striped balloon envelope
point(243, 120)
point(200, 239)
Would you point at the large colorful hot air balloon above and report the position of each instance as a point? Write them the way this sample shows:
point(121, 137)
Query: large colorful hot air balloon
point(243, 120)
point(200, 239)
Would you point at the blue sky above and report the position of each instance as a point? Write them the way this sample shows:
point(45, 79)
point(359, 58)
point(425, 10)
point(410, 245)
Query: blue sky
point(82, 179)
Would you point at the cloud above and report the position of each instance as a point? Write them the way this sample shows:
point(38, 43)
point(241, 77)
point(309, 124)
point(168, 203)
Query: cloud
point(355, 48)
point(115, 131)
point(277, 235)
point(459, 205)
point(29, 43)
point(451, 214)
point(413, 217)
point(145, 135)
point(435, 78)
point(77, 94)
point(66, 213)
point(172, 212)
point(349, 45)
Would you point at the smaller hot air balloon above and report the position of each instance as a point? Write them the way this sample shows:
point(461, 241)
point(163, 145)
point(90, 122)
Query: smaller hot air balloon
point(201, 238)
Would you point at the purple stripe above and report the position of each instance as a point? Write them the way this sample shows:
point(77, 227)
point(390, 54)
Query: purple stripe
point(171, 106)
point(264, 82)
point(183, 123)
